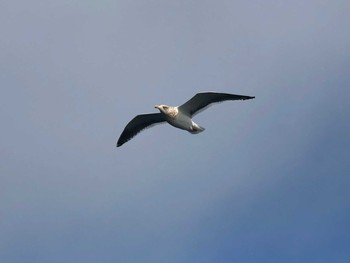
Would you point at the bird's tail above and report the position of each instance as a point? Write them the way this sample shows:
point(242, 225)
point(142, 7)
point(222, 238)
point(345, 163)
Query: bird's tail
point(196, 128)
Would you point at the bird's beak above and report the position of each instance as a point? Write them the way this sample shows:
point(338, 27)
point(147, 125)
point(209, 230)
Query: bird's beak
point(156, 107)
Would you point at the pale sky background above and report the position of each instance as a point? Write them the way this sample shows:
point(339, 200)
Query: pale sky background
point(268, 181)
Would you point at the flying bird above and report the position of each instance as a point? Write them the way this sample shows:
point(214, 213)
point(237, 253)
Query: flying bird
point(179, 117)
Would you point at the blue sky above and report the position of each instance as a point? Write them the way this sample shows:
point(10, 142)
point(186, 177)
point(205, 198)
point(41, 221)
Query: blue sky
point(266, 182)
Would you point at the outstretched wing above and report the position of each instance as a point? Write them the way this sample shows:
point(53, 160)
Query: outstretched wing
point(137, 124)
point(201, 101)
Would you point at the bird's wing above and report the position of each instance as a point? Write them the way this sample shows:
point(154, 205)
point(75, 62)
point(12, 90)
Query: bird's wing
point(137, 124)
point(201, 101)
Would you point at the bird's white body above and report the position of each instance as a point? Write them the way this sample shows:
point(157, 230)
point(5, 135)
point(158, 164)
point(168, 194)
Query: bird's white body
point(178, 119)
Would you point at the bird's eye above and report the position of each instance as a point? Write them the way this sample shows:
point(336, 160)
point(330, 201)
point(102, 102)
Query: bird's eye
point(165, 107)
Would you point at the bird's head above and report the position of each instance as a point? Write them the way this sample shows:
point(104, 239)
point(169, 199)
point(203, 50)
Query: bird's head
point(162, 108)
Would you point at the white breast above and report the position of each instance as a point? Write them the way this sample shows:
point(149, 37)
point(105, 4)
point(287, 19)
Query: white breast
point(181, 121)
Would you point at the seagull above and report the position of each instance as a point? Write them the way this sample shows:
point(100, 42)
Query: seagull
point(179, 117)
